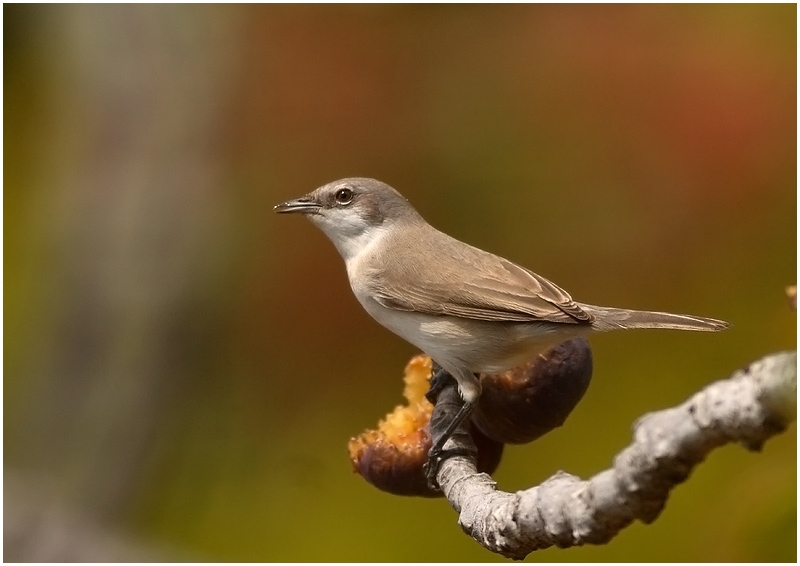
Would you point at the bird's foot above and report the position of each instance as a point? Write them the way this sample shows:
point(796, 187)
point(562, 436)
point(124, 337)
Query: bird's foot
point(435, 458)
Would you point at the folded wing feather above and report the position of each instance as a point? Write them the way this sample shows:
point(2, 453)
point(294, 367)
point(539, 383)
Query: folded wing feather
point(498, 290)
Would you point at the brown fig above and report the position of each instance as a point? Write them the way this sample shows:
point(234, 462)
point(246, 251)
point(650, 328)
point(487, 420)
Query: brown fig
point(392, 457)
point(524, 403)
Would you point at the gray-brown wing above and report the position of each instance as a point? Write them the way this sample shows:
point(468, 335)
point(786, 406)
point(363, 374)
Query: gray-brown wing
point(498, 290)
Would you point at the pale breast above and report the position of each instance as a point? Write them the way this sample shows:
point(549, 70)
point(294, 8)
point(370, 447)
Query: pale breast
point(480, 346)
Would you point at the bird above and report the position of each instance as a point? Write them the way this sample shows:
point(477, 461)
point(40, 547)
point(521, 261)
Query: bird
point(471, 311)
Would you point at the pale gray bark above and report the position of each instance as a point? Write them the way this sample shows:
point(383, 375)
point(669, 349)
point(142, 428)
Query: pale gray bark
point(748, 408)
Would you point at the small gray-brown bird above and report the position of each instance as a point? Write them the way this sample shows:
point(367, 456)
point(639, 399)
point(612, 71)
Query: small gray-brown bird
point(469, 310)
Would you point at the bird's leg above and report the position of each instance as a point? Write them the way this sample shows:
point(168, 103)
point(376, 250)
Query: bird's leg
point(436, 452)
point(438, 382)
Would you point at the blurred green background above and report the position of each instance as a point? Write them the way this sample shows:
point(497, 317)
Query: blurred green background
point(183, 368)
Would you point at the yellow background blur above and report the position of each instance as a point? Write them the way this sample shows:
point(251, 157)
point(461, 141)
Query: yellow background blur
point(183, 368)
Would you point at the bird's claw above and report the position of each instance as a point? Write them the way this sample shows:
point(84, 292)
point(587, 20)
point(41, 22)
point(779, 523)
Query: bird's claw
point(435, 459)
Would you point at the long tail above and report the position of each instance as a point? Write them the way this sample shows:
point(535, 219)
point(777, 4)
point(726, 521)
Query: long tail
point(609, 318)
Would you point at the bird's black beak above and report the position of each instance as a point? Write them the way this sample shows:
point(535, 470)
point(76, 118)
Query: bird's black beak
point(302, 204)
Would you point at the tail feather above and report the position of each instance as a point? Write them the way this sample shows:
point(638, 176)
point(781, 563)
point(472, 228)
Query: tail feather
point(609, 318)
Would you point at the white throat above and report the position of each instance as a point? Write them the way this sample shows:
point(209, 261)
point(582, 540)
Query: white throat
point(351, 238)
point(356, 247)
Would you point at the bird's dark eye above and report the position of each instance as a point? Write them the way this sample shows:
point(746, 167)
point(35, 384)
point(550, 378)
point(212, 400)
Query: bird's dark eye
point(343, 196)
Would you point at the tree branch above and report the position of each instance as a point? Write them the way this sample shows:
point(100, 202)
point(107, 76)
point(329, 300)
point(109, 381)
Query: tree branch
point(748, 408)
